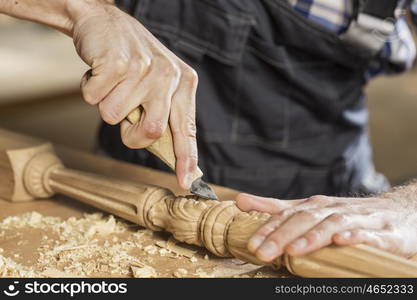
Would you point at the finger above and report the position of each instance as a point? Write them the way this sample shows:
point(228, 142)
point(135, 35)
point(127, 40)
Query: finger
point(128, 94)
point(295, 226)
point(152, 125)
point(282, 210)
point(156, 104)
point(321, 235)
point(99, 81)
point(310, 203)
point(262, 233)
point(381, 239)
point(247, 202)
point(121, 101)
point(182, 121)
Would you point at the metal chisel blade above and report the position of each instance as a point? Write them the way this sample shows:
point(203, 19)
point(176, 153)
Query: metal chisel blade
point(203, 190)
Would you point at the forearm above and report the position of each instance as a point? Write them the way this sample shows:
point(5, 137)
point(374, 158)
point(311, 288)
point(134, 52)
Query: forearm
point(59, 14)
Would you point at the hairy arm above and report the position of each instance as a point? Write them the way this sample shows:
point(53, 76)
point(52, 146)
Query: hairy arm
point(54, 13)
point(59, 14)
point(407, 195)
point(298, 227)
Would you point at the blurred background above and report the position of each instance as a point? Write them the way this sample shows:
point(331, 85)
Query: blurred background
point(39, 95)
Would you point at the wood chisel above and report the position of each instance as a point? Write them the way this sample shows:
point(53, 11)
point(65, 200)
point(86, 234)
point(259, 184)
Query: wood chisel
point(163, 148)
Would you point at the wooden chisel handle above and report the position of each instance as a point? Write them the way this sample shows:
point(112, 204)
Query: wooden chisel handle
point(164, 146)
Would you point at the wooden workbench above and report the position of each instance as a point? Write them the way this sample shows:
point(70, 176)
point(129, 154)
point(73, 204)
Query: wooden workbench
point(25, 245)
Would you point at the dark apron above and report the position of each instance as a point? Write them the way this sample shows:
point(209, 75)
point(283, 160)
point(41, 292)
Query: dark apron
point(280, 104)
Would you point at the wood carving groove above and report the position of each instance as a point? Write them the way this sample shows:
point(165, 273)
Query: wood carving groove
point(218, 226)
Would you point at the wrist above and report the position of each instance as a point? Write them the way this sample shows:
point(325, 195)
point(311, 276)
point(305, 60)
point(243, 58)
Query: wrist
point(79, 10)
point(59, 14)
point(405, 195)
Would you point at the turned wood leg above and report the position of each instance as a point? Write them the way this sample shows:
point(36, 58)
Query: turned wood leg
point(219, 226)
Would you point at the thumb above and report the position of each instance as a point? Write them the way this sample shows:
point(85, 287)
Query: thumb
point(97, 83)
point(247, 202)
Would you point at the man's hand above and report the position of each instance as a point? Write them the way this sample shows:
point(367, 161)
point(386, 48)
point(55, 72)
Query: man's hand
point(299, 227)
point(129, 67)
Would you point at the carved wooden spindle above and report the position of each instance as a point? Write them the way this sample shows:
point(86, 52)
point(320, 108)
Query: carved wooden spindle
point(219, 226)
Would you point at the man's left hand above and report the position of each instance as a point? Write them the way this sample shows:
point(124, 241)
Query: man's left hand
point(299, 227)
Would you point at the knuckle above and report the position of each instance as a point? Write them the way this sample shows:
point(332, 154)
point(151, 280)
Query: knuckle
point(275, 219)
point(285, 214)
point(276, 239)
point(390, 226)
point(338, 218)
point(146, 63)
point(266, 230)
point(305, 215)
point(188, 128)
point(191, 129)
point(169, 69)
point(269, 227)
point(153, 129)
point(190, 76)
point(318, 199)
point(376, 241)
point(89, 97)
point(176, 71)
point(120, 66)
point(355, 234)
point(313, 236)
point(192, 157)
point(140, 66)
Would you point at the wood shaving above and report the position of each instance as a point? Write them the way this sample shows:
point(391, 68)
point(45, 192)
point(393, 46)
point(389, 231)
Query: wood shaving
point(103, 227)
point(181, 273)
point(9, 268)
point(171, 245)
point(151, 249)
point(55, 273)
point(94, 245)
point(202, 274)
point(77, 251)
point(164, 252)
point(144, 272)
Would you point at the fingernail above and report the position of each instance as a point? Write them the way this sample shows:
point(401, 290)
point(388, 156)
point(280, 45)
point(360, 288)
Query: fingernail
point(346, 235)
point(255, 242)
point(268, 251)
point(299, 244)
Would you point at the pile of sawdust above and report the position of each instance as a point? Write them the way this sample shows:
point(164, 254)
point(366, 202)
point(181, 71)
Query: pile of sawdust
point(9, 268)
point(94, 246)
point(81, 247)
point(78, 247)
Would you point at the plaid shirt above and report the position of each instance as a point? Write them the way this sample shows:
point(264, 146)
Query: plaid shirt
point(336, 15)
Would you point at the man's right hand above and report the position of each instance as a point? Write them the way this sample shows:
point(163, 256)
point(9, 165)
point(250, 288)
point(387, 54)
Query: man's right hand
point(130, 67)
